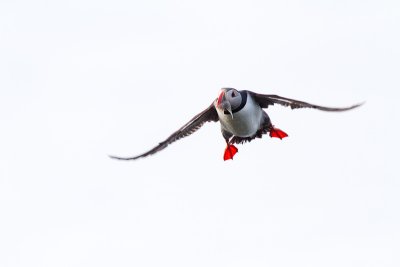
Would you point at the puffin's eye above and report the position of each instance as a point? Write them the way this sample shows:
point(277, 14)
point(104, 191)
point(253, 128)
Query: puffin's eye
point(233, 94)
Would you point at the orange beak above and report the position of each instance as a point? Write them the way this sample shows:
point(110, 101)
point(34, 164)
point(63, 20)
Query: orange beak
point(220, 97)
point(223, 104)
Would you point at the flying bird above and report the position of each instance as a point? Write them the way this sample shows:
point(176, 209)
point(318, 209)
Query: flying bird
point(242, 118)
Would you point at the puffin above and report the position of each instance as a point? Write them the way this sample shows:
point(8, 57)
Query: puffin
point(242, 118)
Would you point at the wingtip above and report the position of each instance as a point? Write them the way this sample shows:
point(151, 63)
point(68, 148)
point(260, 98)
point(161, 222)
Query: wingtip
point(350, 107)
point(113, 157)
point(358, 105)
point(119, 158)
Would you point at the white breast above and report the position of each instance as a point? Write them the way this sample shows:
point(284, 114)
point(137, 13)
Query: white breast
point(245, 122)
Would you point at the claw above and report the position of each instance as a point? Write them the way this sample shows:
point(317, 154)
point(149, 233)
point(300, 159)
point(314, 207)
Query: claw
point(230, 151)
point(275, 132)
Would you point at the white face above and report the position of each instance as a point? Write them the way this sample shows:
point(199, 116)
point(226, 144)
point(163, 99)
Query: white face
point(233, 97)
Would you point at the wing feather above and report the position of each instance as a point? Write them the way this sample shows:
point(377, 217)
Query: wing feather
point(268, 100)
point(209, 114)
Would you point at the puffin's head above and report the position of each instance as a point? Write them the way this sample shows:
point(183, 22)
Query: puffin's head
point(229, 99)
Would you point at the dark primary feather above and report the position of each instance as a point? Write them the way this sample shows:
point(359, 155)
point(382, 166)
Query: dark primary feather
point(265, 100)
point(209, 114)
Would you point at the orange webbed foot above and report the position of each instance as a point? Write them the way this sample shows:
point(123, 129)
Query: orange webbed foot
point(230, 151)
point(275, 132)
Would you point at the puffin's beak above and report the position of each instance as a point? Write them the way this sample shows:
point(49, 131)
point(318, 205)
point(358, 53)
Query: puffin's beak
point(223, 104)
point(221, 98)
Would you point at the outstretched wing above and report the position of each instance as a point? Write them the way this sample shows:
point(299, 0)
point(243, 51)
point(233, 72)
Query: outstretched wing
point(265, 100)
point(209, 114)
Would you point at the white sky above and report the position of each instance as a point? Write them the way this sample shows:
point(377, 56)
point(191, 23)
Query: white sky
point(83, 79)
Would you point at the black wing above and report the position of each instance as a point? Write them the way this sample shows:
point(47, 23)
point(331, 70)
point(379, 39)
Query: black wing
point(209, 114)
point(265, 100)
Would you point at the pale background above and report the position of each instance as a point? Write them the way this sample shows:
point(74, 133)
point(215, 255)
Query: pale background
point(83, 79)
